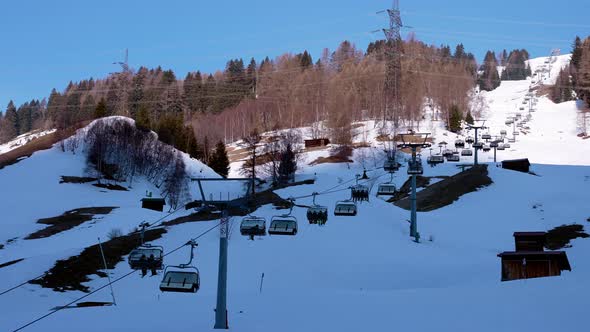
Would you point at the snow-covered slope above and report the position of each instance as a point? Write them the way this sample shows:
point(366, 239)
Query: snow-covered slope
point(23, 139)
point(358, 273)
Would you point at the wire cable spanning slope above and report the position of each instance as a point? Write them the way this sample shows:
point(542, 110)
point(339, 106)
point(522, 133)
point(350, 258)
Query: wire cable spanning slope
point(152, 225)
point(108, 284)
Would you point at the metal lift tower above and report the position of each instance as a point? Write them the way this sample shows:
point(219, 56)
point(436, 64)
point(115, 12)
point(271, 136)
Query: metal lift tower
point(393, 53)
point(414, 168)
point(470, 126)
point(221, 319)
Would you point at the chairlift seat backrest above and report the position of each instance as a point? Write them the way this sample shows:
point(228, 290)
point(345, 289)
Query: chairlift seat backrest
point(283, 225)
point(136, 261)
point(181, 281)
point(253, 226)
point(345, 208)
point(386, 189)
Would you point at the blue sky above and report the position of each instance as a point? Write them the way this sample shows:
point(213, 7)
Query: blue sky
point(46, 44)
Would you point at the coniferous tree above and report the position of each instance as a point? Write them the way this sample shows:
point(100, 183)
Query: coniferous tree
point(11, 118)
point(516, 66)
point(137, 91)
point(25, 118)
point(469, 118)
point(219, 161)
point(575, 60)
point(489, 79)
point(459, 52)
point(454, 124)
point(192, 146)
point(101, 109)
point(251, 76)
point(142, 119)
point(288, 164)
point(88, 108)
point(503, 58)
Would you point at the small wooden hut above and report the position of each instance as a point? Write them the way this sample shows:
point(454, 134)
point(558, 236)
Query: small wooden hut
point(156, 204)
point(519, 165)
point(316, 142)
point(530, 260)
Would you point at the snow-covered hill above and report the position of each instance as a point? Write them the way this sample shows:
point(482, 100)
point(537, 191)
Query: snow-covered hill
point(360, 273)
point(23, 139)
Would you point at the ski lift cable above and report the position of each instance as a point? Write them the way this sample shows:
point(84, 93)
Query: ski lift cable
point(152, 226)
point(106, 285)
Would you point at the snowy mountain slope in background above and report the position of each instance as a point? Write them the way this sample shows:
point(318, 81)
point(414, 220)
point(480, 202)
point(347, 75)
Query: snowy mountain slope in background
point(23, 139)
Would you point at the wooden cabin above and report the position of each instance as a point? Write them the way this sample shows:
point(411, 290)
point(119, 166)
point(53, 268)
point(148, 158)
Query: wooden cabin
point(156, 204)
point(530, 260)
point(519, 165)
point(529, 241)
point(533, 264)
point(316, 142)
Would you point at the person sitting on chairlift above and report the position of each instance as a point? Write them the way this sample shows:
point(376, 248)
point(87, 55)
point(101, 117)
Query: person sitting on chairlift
point(143, 263)
point(152, 264)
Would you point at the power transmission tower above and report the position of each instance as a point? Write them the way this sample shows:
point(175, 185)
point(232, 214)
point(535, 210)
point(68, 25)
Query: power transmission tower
point(393, 67)
point(124, 64)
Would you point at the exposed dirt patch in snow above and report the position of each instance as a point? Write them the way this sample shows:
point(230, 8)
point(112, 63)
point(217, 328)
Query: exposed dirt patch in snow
point(560, 237)
point(339, 154)
point(447, 191)
point(68, 220)
point(76, 179)
point(69, 274)
point(110, 186)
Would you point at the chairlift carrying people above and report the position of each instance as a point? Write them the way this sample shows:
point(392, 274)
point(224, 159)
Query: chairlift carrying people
point(146, 256)
point(317, 214)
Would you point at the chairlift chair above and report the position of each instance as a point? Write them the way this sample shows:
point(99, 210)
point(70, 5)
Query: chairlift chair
point(506, 145)
point(469, 140)
point(447, 152)
point(359, 192)
point(317, 214)
point(512, 140)
point(516, 133)
point(494, 144)
point(253, 226)
point(459, 143)
point(415, 168)
point(435, 159)
point(146, 255)
point(141, 257)
point(390, 165)
point(466, 152)
point(386, 189)
point(183, 278)
point(486, 148)
point(453, 158)
point(345, 208)
point(503, 132)
point(500, 147)
point(283, 225)
point(486, 136)
point(478, 145)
